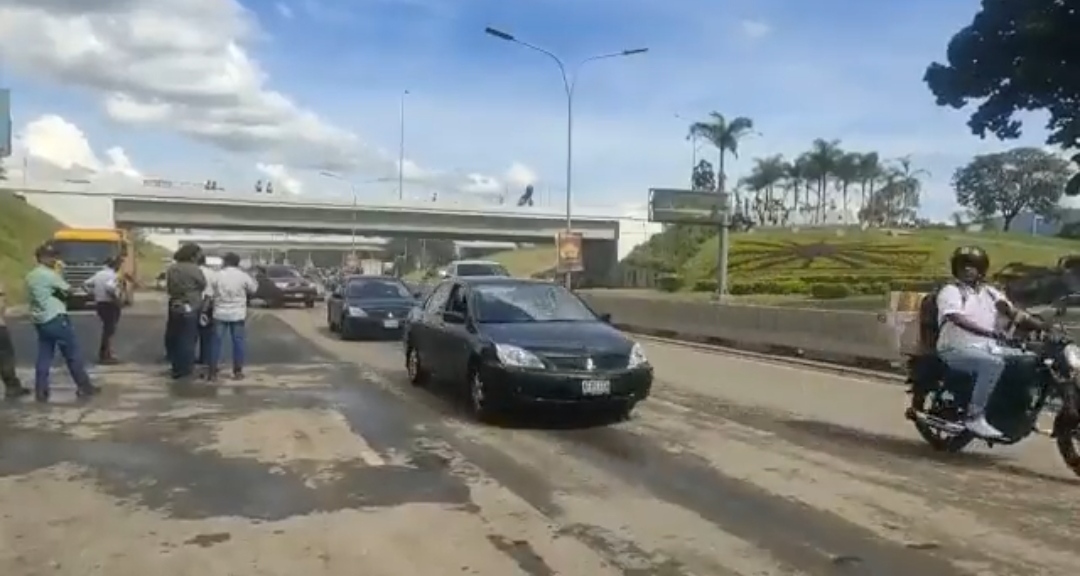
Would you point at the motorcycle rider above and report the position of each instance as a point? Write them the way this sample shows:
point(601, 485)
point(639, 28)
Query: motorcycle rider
point(971, 339)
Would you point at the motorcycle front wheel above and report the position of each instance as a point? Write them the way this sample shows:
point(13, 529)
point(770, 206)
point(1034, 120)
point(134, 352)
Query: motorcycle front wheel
point(1066, 437)
point(937, 405)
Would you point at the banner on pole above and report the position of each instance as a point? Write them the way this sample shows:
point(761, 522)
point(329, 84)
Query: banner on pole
point(673, 206)
point(568, 258)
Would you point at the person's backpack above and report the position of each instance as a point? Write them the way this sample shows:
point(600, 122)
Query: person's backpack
point(929, 327)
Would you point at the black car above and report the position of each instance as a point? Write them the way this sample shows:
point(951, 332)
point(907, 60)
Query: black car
point(279, 285)
point(369, 307)
point(514, 341)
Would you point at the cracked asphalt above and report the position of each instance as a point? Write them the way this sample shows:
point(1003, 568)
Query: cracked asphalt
point(326, 462)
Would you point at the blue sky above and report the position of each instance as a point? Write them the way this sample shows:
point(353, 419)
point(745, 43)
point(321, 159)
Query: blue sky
point(801, 70)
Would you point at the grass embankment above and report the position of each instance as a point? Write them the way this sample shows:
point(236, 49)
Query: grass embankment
point(24, 227)
point(521, 263)
point(839, 263)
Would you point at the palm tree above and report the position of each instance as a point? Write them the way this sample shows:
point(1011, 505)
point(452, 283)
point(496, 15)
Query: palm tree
point(725, 137)
point(847, 173)
point(823, 158)
point(870, 172)
point(765, 177)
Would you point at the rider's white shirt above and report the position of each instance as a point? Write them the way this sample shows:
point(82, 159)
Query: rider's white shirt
point(975, 304)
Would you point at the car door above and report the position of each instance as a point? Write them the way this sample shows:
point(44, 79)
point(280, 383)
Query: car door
point(423, 331)
point(454, 335)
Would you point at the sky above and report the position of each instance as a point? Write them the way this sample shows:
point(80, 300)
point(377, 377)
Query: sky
point(310, 93)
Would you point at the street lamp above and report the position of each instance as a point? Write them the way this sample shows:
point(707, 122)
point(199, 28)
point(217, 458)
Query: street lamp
point(695, 145)
point(569, 82)
point(401, 152)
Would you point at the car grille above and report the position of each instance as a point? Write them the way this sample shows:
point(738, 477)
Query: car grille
point(380, 313)
point(600, 361)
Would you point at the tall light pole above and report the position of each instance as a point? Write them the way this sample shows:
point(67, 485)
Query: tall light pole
point(401, 151)
point(569, 82)
point(695, 145)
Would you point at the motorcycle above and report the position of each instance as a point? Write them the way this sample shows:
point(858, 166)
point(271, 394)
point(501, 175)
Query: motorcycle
point(1047, 378)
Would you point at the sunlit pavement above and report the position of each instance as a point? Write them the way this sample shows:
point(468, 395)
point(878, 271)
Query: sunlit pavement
point(325, 461)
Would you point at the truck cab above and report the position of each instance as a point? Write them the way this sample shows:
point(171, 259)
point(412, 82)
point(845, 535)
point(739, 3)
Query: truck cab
point(83, 251)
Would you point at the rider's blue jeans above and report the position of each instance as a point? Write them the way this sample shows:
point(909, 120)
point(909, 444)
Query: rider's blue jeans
point(985, 364)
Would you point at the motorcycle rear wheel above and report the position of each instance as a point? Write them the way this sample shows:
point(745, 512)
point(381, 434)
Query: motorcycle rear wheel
point(1066, 438)
point(934, 404)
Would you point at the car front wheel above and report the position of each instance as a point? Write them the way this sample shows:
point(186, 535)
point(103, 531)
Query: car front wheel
point(480, 403)
point(418, 375)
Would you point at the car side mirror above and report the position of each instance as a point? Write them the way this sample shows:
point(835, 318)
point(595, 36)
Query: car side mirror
point(453, 317)
point(606, 318)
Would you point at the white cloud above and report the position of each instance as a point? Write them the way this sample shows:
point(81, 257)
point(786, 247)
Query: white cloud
point(184, 65)
point(520, 175)
point(755, 29)
point(282, 180)
point(284, 10)
point(51, 148)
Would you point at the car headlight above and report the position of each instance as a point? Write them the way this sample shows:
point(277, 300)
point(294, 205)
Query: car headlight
point(517, 357)
point(357, 312)
point(281, 284)
point(1072, 356)
point(637, 357)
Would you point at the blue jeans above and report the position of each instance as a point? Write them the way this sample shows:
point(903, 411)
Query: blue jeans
point(58, 333)
point(236, 333)
point(985, 365)
point(183, 330)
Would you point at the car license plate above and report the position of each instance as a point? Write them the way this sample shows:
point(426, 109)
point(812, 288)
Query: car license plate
point(391, 324)
point(595, 387)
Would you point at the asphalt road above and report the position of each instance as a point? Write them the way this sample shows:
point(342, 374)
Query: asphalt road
point(326, 462)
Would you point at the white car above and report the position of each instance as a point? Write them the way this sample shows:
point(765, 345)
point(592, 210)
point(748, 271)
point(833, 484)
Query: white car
point(462, 268)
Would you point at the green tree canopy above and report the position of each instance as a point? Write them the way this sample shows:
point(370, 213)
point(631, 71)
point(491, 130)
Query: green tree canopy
point(1007, 183)
point(1013, 57)
point(703, 178)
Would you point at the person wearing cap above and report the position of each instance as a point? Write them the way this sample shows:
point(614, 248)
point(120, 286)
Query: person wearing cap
point(48, 292)
point(104, 285)
point(13, 387)
point(185, 285)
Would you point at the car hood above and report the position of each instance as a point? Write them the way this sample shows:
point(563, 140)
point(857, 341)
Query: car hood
point(381, 302)
point(568, 337)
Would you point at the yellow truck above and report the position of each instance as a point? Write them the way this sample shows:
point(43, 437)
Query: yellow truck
point(83, 251)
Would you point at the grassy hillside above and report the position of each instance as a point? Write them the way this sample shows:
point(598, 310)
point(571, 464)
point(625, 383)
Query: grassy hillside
point(863, 262)
point(24, 227)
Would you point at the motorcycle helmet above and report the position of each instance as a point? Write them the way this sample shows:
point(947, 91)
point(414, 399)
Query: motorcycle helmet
point(973, 256)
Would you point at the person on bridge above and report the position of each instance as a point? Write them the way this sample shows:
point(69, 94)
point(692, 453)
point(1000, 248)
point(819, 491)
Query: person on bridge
point(184, 285)
point(207, 333)
point(233, 287)
point(48, 293)
point(13, 387)
point(104, 285)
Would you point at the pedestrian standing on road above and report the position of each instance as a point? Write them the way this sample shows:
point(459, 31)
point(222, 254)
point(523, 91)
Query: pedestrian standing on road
point(184, 284)
point(233, 287)
point(104, 285)
point(48, 293)
point(207, 333)
point(13, 387)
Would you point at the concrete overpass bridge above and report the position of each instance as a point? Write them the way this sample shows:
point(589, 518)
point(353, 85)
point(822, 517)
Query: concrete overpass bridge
point(140, 206)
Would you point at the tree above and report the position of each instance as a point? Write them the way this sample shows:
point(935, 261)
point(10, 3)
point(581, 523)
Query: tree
point(703, 179)
point(724, 136)
point(1016, 57)
point(1007, 183)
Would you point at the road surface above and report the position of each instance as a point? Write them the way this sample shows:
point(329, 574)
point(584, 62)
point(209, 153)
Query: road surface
point(325, 462)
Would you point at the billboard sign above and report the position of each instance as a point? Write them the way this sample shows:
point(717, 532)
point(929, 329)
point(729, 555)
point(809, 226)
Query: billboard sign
point(673, 206)
point(568, 258)
point(5, 123)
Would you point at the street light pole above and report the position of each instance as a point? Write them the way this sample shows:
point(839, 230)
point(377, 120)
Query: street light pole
point(569, 83)
point(693, 149)
point(401, 151)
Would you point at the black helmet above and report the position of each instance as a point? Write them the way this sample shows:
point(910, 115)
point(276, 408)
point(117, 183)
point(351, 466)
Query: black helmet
point(973, 256)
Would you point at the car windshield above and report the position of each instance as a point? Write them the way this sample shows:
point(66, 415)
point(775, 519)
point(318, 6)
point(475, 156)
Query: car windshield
point(480, 269)
point(79, 252)
point(533, 302)
point(376, 290)
point(282, 272)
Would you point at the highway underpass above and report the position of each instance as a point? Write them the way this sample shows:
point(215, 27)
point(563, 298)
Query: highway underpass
point(326, 462)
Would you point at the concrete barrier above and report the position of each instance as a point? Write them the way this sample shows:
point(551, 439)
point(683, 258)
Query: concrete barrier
point(857, 338)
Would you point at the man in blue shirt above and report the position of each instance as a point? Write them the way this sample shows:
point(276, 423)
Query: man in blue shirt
point(47, 292)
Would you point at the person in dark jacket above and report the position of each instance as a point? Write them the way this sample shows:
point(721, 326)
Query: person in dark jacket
point(185, 285)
